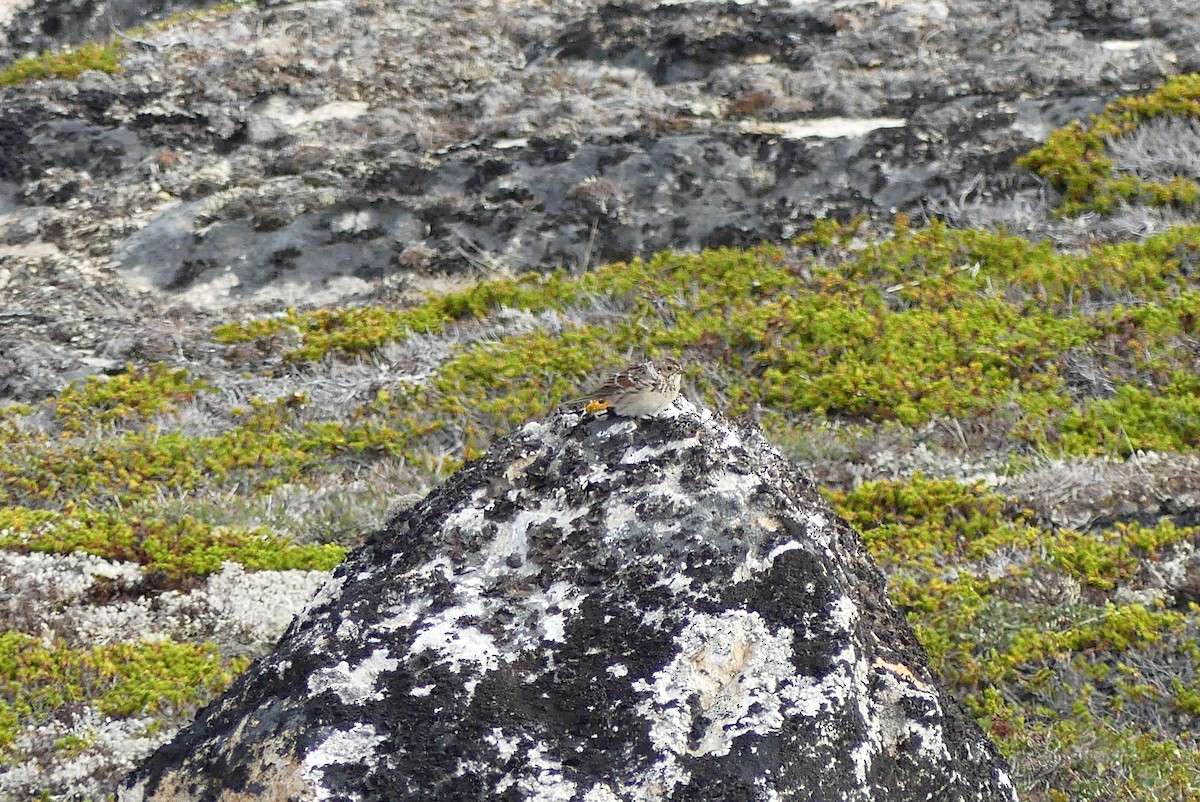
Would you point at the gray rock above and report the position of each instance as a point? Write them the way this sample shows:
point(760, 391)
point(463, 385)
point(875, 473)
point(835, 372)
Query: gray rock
point(52, 24)
point(599, 609)
point(462, 134)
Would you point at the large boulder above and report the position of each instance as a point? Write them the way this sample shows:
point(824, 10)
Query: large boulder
point(600, 609)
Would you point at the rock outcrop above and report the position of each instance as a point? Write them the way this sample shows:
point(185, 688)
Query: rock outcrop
point(235, 159)
point(599, 609)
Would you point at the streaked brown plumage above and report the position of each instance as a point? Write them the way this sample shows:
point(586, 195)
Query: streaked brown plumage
point(640, 390)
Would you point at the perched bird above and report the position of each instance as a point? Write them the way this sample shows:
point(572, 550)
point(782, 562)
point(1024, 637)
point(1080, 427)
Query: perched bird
point(640, 390)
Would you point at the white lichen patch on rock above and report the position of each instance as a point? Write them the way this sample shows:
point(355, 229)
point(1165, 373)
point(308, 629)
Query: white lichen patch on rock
point(357, 685)
point(827, 128)
point(504, 556)
point(730, 675)
point(457, 644)
point(541, 778)
point(754, 565)
point(355, 747)
point(283, 111)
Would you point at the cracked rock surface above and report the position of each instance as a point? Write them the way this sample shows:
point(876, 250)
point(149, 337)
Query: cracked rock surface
point(598, 609)
point(307, 152)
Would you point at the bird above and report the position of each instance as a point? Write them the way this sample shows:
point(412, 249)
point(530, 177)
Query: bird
point(639, 390)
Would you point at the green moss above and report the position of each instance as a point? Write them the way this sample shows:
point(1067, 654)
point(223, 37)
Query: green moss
point(271, 446)
point(1067, 680)
point(67, 64)
point(490, 388)
point(933, 322)
point(1075, 158)
point(1148, 541)
point(923, 525)
point(121, 680)
point(1091, 758)
point(135, 395)
point(252, 330)
point(1164, 419)
point(178, 548)
point(151, 677)
point(357, 330)
point(70, 746)
point(1116, 629)
point(922, 517)
point(1094, 561)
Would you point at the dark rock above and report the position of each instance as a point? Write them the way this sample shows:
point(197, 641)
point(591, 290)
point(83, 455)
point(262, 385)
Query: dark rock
point(30, 372)
point(599, 609)
point(301, 159)
point(1182, 576)
point(686, 42)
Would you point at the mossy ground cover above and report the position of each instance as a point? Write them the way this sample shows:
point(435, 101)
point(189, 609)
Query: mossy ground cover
point(847, 333)
point(120, 680)
point(841, 337)
point(65, 64)
point(104, 56)
point(179, 548)
point(1089, 696)
point(359, 330)
point(839, 332)
point(103, 467)
point(1078, 162)
point(930, 322)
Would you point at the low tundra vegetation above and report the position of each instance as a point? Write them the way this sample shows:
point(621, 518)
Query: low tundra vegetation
point(103, 56)
point(1091, 692)
point(839, 338)
point(846, 344)
point(1061, 352)
point(1128, 153)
